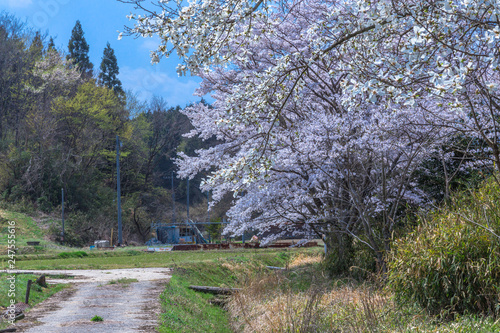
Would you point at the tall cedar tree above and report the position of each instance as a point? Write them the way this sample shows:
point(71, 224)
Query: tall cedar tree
point(79, 51)
point(36, 49)
point(52, 45)
point(108, 77)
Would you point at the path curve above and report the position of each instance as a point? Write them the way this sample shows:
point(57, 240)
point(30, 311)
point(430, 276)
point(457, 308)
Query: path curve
point(126, 308)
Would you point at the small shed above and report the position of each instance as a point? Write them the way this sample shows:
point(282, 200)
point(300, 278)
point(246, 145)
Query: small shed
point(172, 234)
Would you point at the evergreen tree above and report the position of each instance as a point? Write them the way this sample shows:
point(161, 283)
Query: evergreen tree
point(108, 77)
point(36, 49)
point(79, 50)
point(52, 45)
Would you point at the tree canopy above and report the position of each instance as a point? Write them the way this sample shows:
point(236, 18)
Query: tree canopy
point(58, 130)
point(79, 50)
point(326, 109)
point(109, 70)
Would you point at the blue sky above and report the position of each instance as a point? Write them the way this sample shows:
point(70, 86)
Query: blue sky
point(101, 21)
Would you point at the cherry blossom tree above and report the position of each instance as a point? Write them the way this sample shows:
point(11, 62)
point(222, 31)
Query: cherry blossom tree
point(324, 109)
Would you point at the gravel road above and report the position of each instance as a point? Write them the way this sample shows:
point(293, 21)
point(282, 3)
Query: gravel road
point(124, 308)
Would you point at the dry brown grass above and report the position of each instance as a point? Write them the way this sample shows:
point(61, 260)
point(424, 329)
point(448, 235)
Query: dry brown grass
point(305, 259)
point(265, 305)
point(235, 267)
point(303, 299)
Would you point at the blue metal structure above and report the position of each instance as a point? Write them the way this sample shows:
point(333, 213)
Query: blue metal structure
point(173, 233)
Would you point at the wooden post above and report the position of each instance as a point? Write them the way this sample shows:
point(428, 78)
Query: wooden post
point(41, 281)
point(28, 292)
point(111, 238)
point(62, 213)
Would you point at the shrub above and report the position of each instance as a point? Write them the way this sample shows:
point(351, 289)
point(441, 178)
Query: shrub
point(450, 263)
point(133, 252)
point(348, 257)
point(20, 204)
point(44, 204)
point(340, 255)
point(70, 237)
point(76, 254)
point(96, 318)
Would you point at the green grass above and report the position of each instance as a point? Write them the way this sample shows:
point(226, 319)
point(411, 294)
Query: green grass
point(123, 281)
point(75, 254)
point(26, 227)
point(96, 318)
point(26, 230)
point(37, 293)
point(185, 310)
point(156, 259)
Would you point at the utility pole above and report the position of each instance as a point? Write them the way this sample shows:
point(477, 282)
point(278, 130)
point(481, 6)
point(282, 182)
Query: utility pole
point(118, 191)
point(173, 198)
point(208, 206)
point(62, 213)
point(188, 199)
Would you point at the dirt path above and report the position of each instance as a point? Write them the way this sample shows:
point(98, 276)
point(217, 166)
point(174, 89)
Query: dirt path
point(132, 307)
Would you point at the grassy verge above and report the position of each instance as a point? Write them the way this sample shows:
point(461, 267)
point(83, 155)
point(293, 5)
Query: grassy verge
point(304, 299)
point(26, 227)
point(141, 259)
point(185, 310)
point(37, 293)
point(48, 254)
point(27, 230)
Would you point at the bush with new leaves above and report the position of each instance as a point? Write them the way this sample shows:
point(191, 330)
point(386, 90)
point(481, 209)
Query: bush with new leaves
point(451, 262)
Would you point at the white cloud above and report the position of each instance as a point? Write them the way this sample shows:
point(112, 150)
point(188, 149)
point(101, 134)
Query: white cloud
point(150, 43)
point(147, 83)
point(17, 3)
